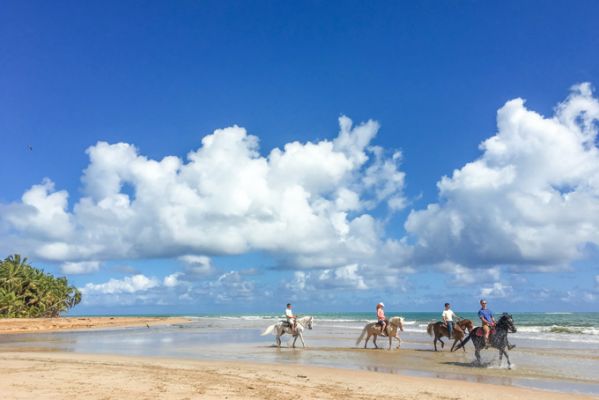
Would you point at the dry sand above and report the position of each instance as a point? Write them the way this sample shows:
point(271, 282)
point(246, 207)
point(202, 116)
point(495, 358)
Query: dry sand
point(68, 375)
point(30, 325)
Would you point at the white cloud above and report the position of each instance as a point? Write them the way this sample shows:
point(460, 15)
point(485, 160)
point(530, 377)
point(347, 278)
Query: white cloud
point(530, 200)
point(172, 280)
point(463, 276)
point(497, 290)
point(41, 212)
point(82, 267)
point(306, 203)
point(351, 277)
point(579, 296)
point(197, 266)
point(230, 286)
point(129, 284)
point(227, 287)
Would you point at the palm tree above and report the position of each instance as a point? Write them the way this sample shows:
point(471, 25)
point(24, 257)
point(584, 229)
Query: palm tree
point(26, 291)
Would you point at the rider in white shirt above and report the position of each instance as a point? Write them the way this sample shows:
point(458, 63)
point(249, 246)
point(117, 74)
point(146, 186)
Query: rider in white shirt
point(448, 315)
point(291, 319)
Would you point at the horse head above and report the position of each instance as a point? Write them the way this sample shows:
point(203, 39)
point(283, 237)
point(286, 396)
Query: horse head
point(308, 322)
point(507, 321)
point(466, 324)
point(397, 322)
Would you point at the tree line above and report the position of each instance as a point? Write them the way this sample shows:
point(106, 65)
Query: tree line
point(28, 292)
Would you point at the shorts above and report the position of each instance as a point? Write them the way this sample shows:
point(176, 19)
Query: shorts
point(380, 322)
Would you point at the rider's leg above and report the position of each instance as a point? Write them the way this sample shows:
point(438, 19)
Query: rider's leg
point(449, 328)
point(487, 330)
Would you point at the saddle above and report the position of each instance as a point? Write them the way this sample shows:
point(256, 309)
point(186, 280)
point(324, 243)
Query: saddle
point(480, 332)
point(286, 324)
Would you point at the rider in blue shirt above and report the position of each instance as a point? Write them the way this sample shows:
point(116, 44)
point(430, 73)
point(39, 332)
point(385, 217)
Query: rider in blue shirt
point(487, 319)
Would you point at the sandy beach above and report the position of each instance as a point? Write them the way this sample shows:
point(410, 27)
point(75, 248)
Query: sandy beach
point(226, 358)
point(31, 325)
point(63, 375)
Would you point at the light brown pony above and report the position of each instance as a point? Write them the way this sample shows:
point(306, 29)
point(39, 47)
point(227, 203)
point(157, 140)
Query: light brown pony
point(374, 329)
point(439, 330)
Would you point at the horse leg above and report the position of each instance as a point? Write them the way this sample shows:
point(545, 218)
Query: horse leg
point(366, 341)
point(509, 364)
point(278, 340)
point(435, 342)
point(302, 340)
point(477, 354)
point(374, 341)
point(294, 340)
point(390, 340)
point(442, 343)
point(453, 345)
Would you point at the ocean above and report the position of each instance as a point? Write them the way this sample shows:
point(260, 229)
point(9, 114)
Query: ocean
point(549, 326)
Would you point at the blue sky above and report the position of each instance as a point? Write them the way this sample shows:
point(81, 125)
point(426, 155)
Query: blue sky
point(519, 226)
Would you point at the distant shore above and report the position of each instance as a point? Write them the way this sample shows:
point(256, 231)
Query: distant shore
point(35, 375)
point(35, 325)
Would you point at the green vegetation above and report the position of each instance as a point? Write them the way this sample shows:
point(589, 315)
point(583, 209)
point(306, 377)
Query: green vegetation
point(27, 292)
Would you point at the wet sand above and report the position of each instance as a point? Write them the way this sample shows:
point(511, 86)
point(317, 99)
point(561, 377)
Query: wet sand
point(65, 375)
point(236, 343)
point(30, 325)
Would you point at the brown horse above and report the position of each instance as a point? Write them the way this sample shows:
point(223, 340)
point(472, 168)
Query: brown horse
point(439, 329)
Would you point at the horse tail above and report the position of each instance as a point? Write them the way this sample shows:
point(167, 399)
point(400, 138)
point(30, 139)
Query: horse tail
point(463, 342)
point(429, 329)
point(362, 335)
point(268, 330)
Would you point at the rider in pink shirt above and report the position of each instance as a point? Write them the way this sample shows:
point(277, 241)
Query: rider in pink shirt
point(380, 315)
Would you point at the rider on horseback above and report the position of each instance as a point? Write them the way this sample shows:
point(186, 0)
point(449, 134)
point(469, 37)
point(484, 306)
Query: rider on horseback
point(487, 319)
point(448, 315)
point(291, 319)
point(380, 315)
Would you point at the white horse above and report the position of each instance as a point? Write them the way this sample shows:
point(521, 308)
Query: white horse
point(373, 329)
point(283, 327)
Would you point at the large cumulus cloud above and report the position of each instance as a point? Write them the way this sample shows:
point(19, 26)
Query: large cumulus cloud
point(307, 203)
point(530, 200)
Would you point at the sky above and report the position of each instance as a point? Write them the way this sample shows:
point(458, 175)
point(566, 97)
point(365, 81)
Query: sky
point(230, 157)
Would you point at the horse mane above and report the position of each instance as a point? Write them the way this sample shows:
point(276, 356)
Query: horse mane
point(505, 316)
point(396, 320)
point(304, 319)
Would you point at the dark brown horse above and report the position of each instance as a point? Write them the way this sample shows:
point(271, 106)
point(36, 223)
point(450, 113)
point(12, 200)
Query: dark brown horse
point(497, 340)
point(439, 329)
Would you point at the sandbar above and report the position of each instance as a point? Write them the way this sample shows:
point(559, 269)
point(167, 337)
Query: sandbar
point(31, 325)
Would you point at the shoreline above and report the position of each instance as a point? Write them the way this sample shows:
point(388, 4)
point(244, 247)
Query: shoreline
point(65, 324)
point(27, 375)
point(207, 343)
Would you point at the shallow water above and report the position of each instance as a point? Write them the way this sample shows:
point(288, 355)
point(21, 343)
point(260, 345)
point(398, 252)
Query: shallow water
point(550, 364)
